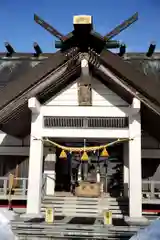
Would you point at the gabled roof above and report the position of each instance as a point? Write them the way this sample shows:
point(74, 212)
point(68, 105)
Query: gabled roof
point(149, 118)
point(33, 80)
point(15, 94)
point(149, 66)
point(143, 83)
point(17, 84)
point(13, 67)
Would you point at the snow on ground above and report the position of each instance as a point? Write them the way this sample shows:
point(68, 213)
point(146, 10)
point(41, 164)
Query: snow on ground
point(152, 232)
point(5, 228)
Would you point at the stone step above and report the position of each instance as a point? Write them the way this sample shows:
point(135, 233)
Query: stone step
point(87, 204)
point(85, 207)
point(77, 210)
point(80, 213)
point(48, 231)
point(111, 207)
point(73, 198)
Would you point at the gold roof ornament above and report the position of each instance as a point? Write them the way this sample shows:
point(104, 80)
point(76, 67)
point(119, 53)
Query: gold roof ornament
point(82, 19)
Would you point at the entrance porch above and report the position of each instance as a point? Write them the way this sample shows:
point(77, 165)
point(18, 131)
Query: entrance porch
point(132, 152)
point(98, 169)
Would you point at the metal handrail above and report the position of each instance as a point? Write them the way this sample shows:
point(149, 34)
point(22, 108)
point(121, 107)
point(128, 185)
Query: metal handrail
point(19, 189)
point(152, 190)
point(22, 186)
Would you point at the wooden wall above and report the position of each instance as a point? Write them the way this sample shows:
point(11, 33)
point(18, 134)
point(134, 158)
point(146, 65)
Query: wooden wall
point(101, 96)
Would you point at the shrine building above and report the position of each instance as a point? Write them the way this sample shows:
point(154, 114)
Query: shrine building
point(82, 99)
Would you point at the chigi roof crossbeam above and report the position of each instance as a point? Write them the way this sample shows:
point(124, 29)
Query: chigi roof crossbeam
point(84, 37)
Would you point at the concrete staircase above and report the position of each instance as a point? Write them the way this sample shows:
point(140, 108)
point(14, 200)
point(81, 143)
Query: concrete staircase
point(73, 206)
point(77, 218)
point(118, 206)
point(34, 231)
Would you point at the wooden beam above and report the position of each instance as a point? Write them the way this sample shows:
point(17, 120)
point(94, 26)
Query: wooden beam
point(84, 85)
point(136, 104)
point(34, 105)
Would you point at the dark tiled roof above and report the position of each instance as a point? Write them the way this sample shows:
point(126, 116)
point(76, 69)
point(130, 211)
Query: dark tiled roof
point(141, 75)
point(149, 66)
point(19, 83)
point(12, 68)
point(33, 81)
point(19, 73)
point(149, 119)
point(133, 75)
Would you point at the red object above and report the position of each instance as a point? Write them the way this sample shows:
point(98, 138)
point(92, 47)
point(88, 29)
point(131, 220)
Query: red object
point(154, 211)
point(10, 207)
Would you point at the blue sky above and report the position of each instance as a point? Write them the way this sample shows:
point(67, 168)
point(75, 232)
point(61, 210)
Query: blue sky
point(18, 27)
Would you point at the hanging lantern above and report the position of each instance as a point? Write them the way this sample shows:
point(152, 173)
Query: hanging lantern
point(63, 154)
point(104, 153)
point(84, 157)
